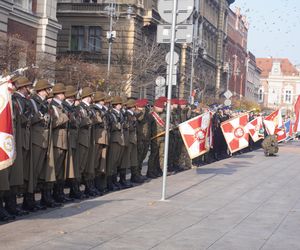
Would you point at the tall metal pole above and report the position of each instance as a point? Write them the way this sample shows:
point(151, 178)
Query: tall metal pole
point(110, 39)
point(166, 150)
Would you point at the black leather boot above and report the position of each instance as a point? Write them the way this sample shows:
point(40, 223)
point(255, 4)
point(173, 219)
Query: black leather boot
point(4, 215)
point(29, 203)
point(11, 205)
point(110, 186)
point(75, 192)
point(56, 193)
point(123, 182)
point(47, 199)
point(62, 193)
point(98, 186)
point(136, 178)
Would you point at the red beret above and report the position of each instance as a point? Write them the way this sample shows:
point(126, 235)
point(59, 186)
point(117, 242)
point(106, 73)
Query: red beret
point(141, 103)
point(174, 101)
point(182, 102)
point(162, 98)
point(159, 103)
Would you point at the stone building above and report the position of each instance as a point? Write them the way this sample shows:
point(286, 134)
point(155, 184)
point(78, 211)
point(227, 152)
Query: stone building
point(85, 24)
point(280, 83)
point(210, 47)
point(136, 59)
point(32, 25)
point(253, 79)
point(236, 54)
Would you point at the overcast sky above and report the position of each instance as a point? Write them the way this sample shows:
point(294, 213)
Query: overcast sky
point(274, 27)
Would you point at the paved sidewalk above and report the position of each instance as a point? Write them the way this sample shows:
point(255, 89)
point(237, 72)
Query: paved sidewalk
point(246, 202)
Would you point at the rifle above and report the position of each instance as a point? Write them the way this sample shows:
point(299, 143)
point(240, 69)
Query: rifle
point(162, 133)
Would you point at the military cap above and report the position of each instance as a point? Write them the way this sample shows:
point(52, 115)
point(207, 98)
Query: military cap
point(58, 88)
point(159, 103)
point(70, 91)
point(86, 91)
point(124, 100)
point(182, 102)
point(130, 103)
point(42, 84)
point(117, 100)
point(108, 99)
point(99, 96)
point(162, 98)
point(141, 103)
point(22, 82)
point(174, 101)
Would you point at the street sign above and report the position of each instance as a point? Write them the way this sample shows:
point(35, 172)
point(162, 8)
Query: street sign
point(174, 74)
point(176, 58)
point(227, 102)
point(160, 81)
point(228, 94)
point(184, 10)
point(184, 33)
point(160, 91)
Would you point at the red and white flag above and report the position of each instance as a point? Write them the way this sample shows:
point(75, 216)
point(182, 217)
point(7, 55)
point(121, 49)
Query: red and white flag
point(7, 143)
point(236, 133)
point(273, 121)
point(196, 134)
point(275, 126)
point(256, 129)
point(297, 113)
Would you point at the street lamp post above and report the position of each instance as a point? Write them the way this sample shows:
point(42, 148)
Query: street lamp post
point(111, 11)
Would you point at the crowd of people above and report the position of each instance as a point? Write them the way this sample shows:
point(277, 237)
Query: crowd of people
point(89, 143)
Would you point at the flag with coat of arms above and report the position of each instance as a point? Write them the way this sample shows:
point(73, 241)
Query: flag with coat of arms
point(256, 129)
point(236, 133)
point(7, 142)
point(196, 134)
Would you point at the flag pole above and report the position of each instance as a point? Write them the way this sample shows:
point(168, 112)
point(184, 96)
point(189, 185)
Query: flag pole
point(171, 63)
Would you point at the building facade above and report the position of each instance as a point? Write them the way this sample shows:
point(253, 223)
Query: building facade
point(32, 26)
point(280, 83)
point(84, 32)
point(135, 58)
point(252, 79)
point(236, 55)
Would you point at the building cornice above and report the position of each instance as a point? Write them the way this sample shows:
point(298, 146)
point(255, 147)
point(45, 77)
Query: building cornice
point(24, 17)
point(6, 5)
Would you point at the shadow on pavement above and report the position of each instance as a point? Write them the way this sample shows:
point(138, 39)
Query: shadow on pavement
point(69, 210)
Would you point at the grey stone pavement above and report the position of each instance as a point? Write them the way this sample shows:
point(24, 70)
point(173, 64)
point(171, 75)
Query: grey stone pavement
point(245, 202)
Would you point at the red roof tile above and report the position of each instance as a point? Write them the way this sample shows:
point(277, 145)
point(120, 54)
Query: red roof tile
point(265, 64)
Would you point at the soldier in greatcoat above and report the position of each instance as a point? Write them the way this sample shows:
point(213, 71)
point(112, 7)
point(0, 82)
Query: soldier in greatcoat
point(143, 136)
point(20, 174)
point(59, 138)
point(73, 175)
point(116, 144)
point(100, 131)
point(41, 148)
point(85, 147)
point(156, 158)
point(131, 150)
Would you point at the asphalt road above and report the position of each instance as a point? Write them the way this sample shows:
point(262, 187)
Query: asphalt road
point(246, 202)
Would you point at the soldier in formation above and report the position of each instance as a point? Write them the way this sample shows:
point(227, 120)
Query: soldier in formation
point(88, 142)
